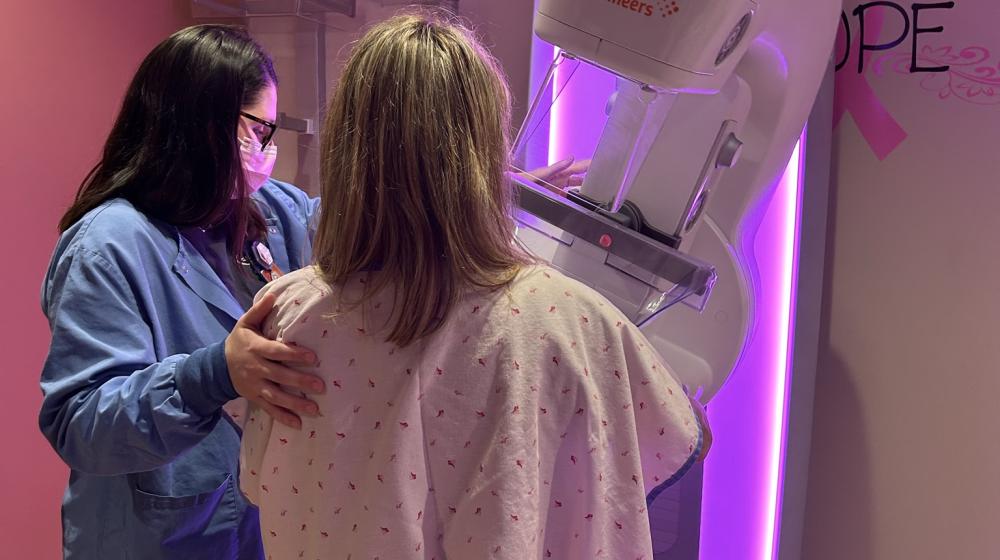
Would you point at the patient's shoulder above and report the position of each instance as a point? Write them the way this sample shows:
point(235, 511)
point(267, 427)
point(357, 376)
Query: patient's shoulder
point(298, 289)
point(546, 287)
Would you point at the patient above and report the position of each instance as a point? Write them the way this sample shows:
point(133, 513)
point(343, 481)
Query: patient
point(480, 405)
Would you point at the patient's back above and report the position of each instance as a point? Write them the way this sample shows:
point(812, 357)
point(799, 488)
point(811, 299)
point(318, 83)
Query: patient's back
point(534, 422)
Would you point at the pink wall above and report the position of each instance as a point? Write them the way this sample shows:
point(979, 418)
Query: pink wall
point(64, 66)
point(904, 451)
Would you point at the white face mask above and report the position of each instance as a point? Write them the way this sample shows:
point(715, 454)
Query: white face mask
point(257, 164)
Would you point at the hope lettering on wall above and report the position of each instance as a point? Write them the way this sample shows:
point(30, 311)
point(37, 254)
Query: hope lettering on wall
point(854, 93)
point(912, 30)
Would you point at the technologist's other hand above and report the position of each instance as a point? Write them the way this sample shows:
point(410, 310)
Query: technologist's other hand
point(702, 416)
point(258, 371)
point(562, 174)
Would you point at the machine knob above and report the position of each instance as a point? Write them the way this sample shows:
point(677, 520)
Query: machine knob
point(729, 152)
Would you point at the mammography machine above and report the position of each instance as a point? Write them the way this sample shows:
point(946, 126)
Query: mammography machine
point(689, 111)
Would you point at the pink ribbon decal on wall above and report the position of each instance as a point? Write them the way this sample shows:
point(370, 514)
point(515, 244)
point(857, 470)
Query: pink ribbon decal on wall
point(855, 94)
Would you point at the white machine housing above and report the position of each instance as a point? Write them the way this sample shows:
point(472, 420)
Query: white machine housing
point(722, 90)
point(672, 44)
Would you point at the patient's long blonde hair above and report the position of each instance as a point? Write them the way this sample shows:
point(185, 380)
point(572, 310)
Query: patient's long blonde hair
point(414, 172)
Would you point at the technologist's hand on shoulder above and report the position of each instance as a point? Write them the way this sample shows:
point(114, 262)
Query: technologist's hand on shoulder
point(257, 367)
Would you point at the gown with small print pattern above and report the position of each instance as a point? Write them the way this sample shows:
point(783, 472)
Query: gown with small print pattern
point(532, 424)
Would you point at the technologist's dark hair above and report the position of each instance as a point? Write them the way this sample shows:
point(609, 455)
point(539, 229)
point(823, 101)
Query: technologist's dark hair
point(172, 151)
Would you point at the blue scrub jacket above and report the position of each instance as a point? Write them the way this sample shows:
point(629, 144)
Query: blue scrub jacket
point(135, 380)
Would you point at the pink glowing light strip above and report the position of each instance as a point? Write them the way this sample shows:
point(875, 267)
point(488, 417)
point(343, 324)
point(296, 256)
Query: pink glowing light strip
point(554, 116)
point(790, 193)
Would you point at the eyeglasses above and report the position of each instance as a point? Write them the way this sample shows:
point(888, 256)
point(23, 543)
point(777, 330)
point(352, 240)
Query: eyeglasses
point(264, 138)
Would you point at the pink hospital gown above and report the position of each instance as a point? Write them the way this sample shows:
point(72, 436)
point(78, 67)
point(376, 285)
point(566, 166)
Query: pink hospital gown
point(531, 425)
